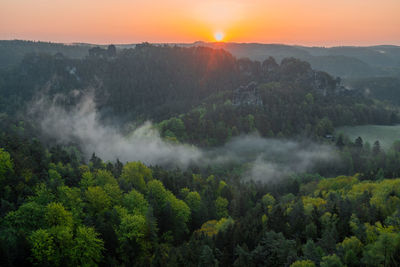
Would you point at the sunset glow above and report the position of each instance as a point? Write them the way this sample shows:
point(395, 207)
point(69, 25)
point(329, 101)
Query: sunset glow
point(219, 36)
point(308, 22)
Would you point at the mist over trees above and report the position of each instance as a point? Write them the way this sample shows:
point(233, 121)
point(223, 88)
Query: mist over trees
point(239, 166)
point(198, 86)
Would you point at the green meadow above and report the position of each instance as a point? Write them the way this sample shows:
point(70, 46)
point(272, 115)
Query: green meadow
point(386, 134)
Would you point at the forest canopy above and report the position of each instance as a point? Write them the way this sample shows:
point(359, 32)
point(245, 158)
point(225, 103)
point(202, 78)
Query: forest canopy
point(239, 166)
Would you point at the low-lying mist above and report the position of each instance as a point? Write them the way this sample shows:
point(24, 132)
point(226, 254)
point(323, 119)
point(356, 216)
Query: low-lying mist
point(265, 159)
point(268, 159)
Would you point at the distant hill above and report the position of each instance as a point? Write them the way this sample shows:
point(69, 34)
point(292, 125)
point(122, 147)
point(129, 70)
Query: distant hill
point(343, 61)
point(13, 51)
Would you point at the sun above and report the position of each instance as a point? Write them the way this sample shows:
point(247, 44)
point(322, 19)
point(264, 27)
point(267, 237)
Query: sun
point(219, 36)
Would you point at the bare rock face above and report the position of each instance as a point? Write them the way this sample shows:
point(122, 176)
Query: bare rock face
point(247, 95)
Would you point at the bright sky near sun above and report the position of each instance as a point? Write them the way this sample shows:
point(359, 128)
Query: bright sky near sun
point(306, 22)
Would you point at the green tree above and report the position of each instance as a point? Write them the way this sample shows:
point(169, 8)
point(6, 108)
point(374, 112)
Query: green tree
point(193, 200)
point(87, 247)
point(57, 215)
point(207, 257)
point(174, 126)
point(273, 250)
point(313, 252)
point(87, 180)
point(376, 149)
point(97, 199)
point(103, 177)
point(6, 166)
point(310, 99)
point(173, 212)
point(303, 263)
point(43, 248)
point(71, 200)
point(359, 142)
point(114, 192)
point(28, 217)
point(382, 251)
point(51, 247)
point(350, 249)
point(181, 214)
point(55, 179)
point(135, 174)
point(331, 261)
point(135, 202)
point(132, 238)
point(268, 202)
point(243, 256)
point(221, 205)
point(324, 127)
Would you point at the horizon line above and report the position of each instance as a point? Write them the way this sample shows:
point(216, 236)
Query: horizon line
point(194, 42)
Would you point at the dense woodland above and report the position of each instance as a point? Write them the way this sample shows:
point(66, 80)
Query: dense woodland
point(196, 86)
point(60, 207)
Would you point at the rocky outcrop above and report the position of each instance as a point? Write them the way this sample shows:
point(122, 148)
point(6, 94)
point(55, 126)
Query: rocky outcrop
point(247, 95)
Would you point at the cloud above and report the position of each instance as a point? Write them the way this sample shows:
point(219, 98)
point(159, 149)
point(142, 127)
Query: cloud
point(81, 125)
point(266, 159)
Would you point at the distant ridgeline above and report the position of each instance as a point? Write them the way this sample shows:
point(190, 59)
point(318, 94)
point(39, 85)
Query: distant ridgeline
point(343, 61)
point(110, 52)
point(211, 94)
point(12, 52)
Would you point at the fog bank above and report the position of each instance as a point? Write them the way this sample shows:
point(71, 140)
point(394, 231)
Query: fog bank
point(266, 159)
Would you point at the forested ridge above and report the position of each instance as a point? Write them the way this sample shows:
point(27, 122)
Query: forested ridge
point(61, 207)
point(197, 86)
point(345, 61)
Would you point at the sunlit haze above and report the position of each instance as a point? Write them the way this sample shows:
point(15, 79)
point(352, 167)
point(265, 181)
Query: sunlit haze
point(219, 36)
point(305, 22)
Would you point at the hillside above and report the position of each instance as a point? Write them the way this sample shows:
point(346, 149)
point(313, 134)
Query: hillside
point(188, 156)
point(200, 86)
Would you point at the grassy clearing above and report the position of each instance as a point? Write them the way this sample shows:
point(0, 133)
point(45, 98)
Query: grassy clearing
point(386, 134)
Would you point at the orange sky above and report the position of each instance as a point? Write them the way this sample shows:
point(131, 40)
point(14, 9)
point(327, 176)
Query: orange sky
point(307, 22)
